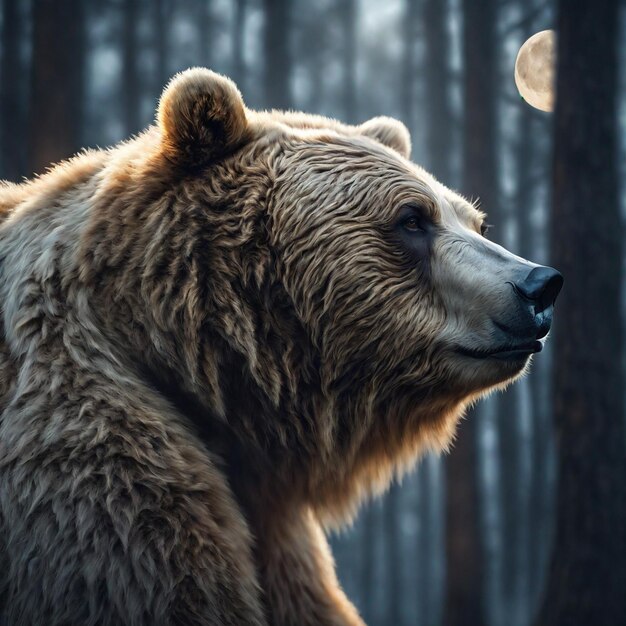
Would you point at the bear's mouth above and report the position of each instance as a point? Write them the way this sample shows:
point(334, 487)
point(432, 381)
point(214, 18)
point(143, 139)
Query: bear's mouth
point(508, 353)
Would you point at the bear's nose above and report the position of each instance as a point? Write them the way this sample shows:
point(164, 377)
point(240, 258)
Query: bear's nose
point(541, 286)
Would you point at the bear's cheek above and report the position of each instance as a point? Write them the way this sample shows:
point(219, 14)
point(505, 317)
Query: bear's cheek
point(418, 251)
point(463, 282)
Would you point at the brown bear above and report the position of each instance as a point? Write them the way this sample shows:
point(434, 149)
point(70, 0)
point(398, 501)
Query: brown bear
point(215, 340)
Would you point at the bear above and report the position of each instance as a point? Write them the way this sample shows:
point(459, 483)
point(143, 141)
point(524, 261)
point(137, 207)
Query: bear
point(217, 339)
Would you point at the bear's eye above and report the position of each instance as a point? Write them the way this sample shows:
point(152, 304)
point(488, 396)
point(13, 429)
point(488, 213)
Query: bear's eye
point(412, 224)
point(485, 228)
point(413, 220)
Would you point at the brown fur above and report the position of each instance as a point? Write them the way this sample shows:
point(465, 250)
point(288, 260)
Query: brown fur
point(212, 348)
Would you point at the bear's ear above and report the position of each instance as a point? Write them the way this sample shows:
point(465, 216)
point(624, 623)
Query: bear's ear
point(391, 133)
point(201, 116)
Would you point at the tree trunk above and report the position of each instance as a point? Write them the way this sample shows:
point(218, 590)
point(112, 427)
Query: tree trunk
point(206, 26)
point(277, 53)
point(465, 572)
point(367, 581)
point(11, 94)
point(347, 18)
point(410, 35)
point(463, 603)
point(130, 75)
point(161, 16)
point(430, 537)
point(57, 87)
point(588, 570)
point(510, 463)
point(392, 504)
point(239, 69)
point(437, 72)
point(313, 52)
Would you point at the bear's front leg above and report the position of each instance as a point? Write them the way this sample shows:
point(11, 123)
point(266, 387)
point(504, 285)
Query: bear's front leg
point(112, 513)
point(297, 573)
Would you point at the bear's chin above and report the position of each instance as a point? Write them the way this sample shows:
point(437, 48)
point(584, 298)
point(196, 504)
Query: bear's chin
point(476, 377)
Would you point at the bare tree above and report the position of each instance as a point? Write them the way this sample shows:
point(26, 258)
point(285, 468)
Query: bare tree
point(437, 72)
point(239, 73)
point(588, 570)
point(314, 46)
point(464, 555)
point(206, 27)
point(131, 88)
point(161, 14)
point(57, 81)
point(392, 528)
point(371, 531)
point(277, 53)
point(11, 94)
point(347, 18)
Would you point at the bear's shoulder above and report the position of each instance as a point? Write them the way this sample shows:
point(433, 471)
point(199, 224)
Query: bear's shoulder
point(57, 180)
point(95, 168)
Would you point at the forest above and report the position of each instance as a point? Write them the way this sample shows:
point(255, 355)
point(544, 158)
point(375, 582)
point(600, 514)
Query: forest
point(523, 522)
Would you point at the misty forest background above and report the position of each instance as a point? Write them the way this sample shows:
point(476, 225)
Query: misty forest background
point(524, 522)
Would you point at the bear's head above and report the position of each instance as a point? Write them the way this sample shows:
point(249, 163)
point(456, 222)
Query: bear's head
point(328, 303)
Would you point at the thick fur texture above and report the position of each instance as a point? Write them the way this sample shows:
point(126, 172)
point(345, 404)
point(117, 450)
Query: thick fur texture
point(213, 345)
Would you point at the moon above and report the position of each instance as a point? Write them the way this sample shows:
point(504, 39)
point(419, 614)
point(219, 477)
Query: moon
point(534, 70)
